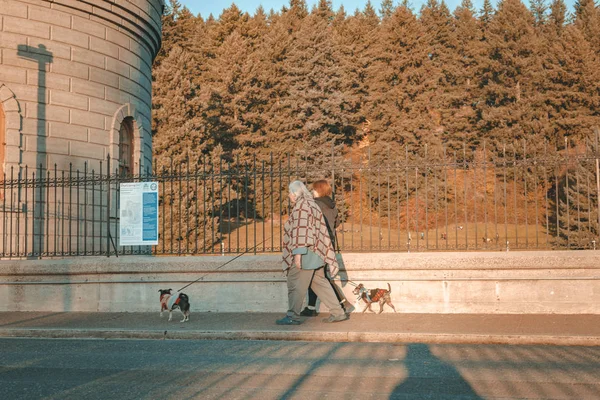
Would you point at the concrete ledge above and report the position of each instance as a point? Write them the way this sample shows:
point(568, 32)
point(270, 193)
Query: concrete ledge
point(371, 337)
point(562, 282)
point(571, 330)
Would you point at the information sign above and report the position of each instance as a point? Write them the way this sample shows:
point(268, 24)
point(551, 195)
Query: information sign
point(138, 204)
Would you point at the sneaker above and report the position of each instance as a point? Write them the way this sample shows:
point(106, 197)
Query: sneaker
point(287, 320)
point(307, 312)
point(333, 318)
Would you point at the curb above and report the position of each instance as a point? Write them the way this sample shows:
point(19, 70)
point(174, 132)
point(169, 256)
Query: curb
point(340, 337)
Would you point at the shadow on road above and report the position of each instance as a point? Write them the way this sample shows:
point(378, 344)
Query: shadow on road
point(431, 378)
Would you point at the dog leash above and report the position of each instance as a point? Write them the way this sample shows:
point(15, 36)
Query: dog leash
point(221, 266)
point(238, 256)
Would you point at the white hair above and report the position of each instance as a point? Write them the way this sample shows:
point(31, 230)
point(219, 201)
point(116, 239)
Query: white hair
point(299, 190)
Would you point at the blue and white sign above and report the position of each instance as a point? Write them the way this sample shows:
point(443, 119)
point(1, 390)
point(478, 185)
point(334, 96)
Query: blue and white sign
point(138, 204)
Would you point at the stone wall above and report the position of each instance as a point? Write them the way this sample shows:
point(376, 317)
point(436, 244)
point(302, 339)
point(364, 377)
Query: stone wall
point(561, 282)
point(70, 72)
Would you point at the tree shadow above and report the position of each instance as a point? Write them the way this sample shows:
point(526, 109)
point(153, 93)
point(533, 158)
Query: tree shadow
point(431, 378)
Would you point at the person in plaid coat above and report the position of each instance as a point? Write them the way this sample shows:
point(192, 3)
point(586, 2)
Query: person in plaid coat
point(322, 192)
point(307, 248)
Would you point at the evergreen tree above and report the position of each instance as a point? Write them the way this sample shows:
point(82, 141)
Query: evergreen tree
point(239, 87)
point(387, 8)
point(354, 39)
point(256, 28)
point(568, 90)
point(312, 110)
point(487, 12)
point(298, 10)
point(178, 29)
point(507, 74)
point(176, 110)
point(539, 10)
point(224, 93)
point(558, 15)
point(266, 86)
point(394, 82)
point(369, 12)
point(587, 19)
point(441, 71)
point(461, 125)
point(324, 10)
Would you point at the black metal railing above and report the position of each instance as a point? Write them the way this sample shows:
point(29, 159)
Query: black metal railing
point(449, 201)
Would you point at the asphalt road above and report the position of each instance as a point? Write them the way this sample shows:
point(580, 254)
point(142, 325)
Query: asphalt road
point(157, 369)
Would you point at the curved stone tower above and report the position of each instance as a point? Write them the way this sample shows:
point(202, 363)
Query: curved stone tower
point(75, 82)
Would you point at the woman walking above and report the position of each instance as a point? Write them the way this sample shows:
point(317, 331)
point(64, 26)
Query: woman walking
point(321, 191)
point(307, 248)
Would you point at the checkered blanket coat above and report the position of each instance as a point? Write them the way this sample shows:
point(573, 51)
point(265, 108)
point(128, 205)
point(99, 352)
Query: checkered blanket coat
point(306, 227)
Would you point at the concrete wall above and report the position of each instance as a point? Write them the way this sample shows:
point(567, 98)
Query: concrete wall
point(517, 282)
point(70, 72)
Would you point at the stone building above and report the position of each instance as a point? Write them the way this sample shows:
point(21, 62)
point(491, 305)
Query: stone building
point(75, 89)
point(75, 82)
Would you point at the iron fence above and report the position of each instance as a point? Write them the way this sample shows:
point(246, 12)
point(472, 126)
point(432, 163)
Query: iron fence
point(450, 201)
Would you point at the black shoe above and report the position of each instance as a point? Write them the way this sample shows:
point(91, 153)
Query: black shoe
point(307, 312)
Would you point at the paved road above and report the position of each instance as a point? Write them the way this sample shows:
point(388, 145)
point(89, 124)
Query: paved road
point(180, 369)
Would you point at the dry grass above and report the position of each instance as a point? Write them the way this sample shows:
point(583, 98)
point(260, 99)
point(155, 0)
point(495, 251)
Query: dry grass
point(356, 237)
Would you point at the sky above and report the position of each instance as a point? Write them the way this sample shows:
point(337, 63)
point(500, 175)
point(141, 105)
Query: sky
point(215, 7)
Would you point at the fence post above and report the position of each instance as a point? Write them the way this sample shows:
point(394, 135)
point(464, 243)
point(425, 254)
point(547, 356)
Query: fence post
point(333, 170)
point(108, 205)
point(597, 178)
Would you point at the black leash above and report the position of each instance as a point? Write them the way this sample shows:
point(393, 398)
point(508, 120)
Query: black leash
point(221, 266)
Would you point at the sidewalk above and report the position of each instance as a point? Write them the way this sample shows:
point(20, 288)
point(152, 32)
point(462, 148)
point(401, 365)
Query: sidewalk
point(401, 328)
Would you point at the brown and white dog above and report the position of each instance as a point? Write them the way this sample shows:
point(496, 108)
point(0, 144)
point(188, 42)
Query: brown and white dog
point(170, 302)
point(370, 296)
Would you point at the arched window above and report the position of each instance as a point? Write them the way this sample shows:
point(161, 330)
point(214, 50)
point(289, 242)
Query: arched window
point(2, 140)
point(126, 147)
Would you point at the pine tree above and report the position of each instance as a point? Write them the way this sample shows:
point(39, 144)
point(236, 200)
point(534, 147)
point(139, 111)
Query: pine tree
point(324, 10)
point(176, 110)
point(539, 10)
point(394, 82)
point(369, 12)
point(442, 71)
point(354, 38)
point(266, 85)
point(298, 10)
point(312, 110)
point(558, 15)
point(507, 74)
point(487, 12)
point(568, 89)
point(255, 28)
point(387, 8)
point(224, 93)
point(461, 126)
point(587, 19)
point(178, 29)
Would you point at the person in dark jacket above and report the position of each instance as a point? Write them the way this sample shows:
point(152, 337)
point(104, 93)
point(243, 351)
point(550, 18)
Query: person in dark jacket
point(321, 191)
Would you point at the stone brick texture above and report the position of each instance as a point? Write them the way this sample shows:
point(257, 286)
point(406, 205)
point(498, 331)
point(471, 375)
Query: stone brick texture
point(72, 67)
